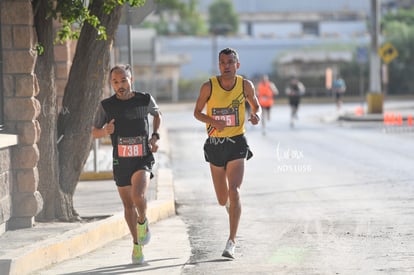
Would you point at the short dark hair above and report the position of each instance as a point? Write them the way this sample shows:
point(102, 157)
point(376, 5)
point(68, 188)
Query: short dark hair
point(228, 51)
point(122, 67)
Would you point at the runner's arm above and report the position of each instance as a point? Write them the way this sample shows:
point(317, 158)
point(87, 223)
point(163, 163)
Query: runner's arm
point(251, 98)
point(201, 102)
point(106, 130)
point(102, 127)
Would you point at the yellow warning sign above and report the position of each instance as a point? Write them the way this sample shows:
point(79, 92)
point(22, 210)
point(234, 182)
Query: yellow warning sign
point(387, 52)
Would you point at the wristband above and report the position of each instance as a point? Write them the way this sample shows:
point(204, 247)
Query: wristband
point(155, 135)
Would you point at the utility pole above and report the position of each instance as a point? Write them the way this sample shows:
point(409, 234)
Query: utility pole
point(1, 84)
point(129, 34)
point(375, 97)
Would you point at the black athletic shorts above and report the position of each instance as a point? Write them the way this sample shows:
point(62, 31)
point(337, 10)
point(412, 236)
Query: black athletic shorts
point(294, 100)
point(219, 151)
point(125, 168)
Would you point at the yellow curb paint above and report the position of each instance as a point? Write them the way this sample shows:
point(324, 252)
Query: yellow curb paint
point(90, 176)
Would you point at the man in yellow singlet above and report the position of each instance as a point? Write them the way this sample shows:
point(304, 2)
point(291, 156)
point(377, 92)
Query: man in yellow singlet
point(226, 147)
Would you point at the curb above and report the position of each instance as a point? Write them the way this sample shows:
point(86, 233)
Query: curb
point(368, 118)
point(90, 176)
point(88, 237)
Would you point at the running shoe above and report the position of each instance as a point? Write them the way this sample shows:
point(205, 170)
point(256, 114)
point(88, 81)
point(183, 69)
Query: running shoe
point(137, 255)
point(229, 250)
point(144, 234)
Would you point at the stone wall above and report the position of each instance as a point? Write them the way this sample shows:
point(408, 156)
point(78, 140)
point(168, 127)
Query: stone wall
point(5, 187)
point(19, 199)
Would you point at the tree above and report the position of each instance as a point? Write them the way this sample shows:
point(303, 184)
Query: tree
point(398, 28)
point(190, 21)
point(222, 17)
point(65, 139)
point(48, 162)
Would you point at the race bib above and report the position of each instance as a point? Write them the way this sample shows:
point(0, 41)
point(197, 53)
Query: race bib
point(130, 147)
point(229, 115)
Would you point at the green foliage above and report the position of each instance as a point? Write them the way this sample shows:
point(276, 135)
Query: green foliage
point(223, 18)
point(405, 16)
point(190, 21)
point(39, 49)
point(398, 29)
point(164, 5)
point(73, 14)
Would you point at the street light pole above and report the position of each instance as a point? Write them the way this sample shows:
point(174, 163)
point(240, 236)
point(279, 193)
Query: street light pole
point(216, 30)
point(129, 34)
point(214, 53)
point(375, 97)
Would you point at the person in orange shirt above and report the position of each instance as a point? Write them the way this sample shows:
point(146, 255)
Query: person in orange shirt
point(266, 90)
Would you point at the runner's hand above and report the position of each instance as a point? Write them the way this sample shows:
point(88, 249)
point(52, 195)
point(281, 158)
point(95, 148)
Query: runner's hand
point(219, 124)
point(254, 119)
point(110, 127)
point(153, 144)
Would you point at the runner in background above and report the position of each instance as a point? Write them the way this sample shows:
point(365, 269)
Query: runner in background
point(338, 88)
point(266, 90)
point(294, 91)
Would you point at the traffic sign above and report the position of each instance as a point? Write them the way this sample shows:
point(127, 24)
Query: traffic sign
point(362, 55)
point(387, 52)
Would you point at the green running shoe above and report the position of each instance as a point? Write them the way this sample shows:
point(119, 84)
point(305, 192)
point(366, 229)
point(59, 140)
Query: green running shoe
point(137, 255)
point(144, 234)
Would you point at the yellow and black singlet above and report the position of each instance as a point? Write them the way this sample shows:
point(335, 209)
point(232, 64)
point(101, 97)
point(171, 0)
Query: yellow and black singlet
point(227, 105)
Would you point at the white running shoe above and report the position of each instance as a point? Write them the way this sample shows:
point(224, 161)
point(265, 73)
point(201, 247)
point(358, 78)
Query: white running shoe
point(229, 250)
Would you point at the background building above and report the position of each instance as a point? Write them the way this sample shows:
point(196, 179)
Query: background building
point(277, 36)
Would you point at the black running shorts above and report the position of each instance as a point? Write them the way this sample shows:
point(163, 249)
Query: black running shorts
point(219, 151)
point(123, 171)
point(294, 100)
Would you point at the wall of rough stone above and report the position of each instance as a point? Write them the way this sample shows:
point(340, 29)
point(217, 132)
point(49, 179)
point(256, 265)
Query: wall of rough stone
point(19, 199)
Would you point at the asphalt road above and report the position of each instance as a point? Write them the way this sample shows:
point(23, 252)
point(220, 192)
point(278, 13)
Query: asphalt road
point(321, 198)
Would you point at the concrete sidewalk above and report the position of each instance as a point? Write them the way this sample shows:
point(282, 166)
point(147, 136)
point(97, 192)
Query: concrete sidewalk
point(97, 202)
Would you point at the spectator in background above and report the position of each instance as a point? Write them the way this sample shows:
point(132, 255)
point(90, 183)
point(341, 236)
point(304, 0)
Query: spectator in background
point(266, 90)
point(338, 89)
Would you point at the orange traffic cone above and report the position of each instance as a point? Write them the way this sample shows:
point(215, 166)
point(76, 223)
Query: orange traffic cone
point(392, 119)
point(410, 120)
point(388, 118)
point(399, 119)
point(359, 111)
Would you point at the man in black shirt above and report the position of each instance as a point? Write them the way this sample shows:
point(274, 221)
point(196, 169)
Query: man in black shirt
point(124, 116)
